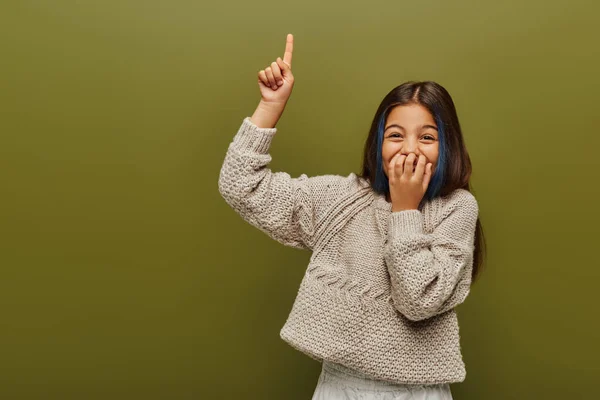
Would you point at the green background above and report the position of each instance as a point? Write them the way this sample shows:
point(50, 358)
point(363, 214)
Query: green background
point(125, 275)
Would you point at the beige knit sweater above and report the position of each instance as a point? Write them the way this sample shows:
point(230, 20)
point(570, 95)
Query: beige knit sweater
point(379, 293)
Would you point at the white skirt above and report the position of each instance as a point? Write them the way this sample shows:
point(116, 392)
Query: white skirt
point(338, 382)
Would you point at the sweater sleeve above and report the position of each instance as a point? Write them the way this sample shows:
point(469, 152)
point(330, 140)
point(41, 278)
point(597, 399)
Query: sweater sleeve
point(431, 273)
point(286, 209)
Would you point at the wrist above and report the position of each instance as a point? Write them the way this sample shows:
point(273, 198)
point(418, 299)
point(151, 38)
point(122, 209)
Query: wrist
point(397, 208)
point(266, 114)
point(271, 105)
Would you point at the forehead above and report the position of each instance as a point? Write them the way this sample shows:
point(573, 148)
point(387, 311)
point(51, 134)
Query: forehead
point(409, 115)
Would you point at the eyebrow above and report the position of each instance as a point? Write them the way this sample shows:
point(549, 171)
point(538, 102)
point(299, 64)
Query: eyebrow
point(400, 127)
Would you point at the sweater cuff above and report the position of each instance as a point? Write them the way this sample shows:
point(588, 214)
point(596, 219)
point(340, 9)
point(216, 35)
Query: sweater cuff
point(253, 139)
point(406, 221)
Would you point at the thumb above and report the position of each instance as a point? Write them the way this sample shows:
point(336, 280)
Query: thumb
point(284, 66)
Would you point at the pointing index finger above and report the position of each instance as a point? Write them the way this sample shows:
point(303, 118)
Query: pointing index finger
point(289, 47)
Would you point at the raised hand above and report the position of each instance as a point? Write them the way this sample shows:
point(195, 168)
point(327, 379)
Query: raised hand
point(409, 178)
point(276, 81)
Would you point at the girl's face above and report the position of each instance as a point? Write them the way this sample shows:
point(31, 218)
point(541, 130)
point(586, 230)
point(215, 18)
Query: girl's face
point(410, 129)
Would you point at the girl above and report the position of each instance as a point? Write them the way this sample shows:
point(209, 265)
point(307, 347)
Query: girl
point(394, 249)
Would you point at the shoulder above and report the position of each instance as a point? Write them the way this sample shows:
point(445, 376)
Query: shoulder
point(460, 195)
point(328, 188)
point(460, 201)
point(336, 183)
point(332, 184)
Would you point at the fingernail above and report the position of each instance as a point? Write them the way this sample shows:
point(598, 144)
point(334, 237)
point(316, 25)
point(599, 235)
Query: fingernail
point(280, 82)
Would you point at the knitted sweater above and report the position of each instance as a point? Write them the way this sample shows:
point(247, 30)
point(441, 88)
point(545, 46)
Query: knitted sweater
point(379, 293)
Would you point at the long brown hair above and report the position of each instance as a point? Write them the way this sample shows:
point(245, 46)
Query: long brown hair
point(453, 169)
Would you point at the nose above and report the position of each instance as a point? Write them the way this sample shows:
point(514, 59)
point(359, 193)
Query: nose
point(410, 146)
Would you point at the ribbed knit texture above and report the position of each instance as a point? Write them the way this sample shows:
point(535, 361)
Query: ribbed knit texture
point(379, 293)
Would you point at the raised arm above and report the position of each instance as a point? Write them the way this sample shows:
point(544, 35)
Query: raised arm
point(287, 209)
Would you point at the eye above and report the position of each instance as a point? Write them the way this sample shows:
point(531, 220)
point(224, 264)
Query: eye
point(429, 136)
